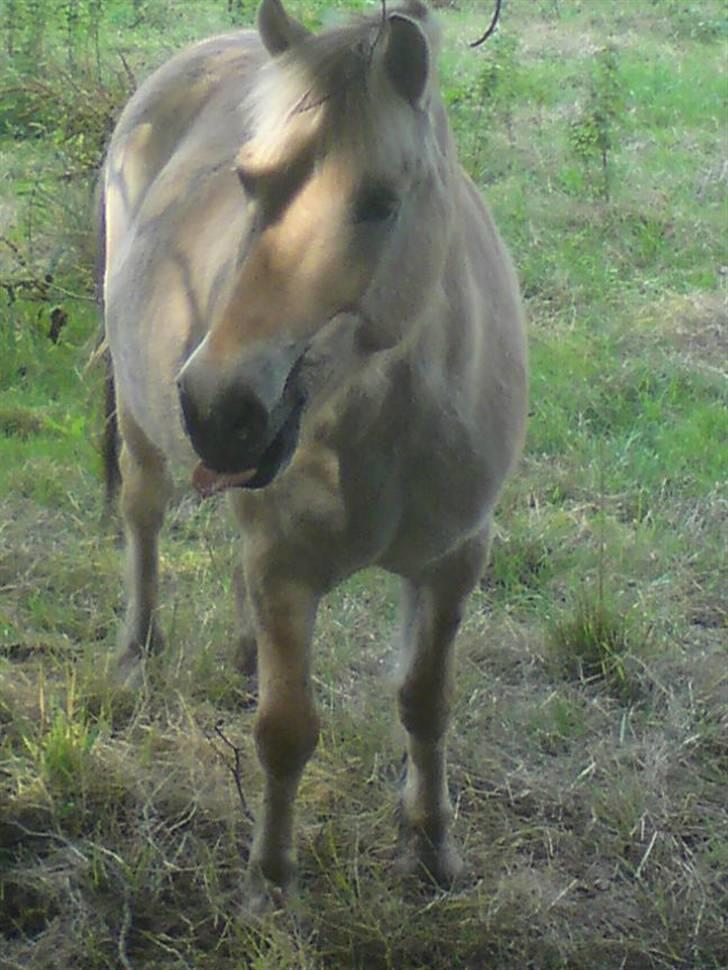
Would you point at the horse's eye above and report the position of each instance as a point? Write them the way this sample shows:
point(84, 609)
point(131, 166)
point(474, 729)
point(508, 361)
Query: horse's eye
point(376, 204)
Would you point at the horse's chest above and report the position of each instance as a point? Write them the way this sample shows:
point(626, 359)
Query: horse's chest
point(443, 501)
point(420, 494)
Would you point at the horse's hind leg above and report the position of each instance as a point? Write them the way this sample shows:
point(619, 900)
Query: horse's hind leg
point(145, 491)
point(246, 652)
point(432, 610)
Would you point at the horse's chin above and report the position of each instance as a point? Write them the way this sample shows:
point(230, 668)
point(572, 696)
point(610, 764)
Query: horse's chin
point(274, 460)
point(208, 482)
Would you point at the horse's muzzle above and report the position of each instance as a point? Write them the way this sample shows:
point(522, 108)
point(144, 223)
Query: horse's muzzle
point(233, 430)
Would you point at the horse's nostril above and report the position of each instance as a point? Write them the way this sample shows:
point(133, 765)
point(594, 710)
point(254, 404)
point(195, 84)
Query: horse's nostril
point(250, 422)
point(183, 394)
point(241, 431)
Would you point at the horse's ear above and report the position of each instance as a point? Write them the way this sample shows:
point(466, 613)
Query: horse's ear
point(277, 30)
point(406, 57)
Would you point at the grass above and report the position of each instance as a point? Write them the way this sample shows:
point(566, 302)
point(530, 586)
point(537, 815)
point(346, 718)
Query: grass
point(589, 748)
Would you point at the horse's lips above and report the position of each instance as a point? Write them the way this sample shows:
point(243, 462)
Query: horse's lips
point(274, 459)
point(209, 482)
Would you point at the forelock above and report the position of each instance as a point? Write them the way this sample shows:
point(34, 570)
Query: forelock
point(328, 89)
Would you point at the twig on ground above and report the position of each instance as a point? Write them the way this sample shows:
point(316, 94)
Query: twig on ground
point(233, 768)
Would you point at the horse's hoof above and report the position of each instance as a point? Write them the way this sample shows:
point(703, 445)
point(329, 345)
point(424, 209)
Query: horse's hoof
point(128, 668)
point(264, 901)
point(132, 654)
point(440, 864)
point(263, 896)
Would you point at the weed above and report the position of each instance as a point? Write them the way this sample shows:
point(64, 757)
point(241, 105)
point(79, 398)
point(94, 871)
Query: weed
point(598, 642)
point(20, 421)
point(593, 133)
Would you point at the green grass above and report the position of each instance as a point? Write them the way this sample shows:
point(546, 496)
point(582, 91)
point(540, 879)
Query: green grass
point(589, 749)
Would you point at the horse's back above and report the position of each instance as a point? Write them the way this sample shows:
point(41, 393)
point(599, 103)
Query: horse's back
point(174, 104)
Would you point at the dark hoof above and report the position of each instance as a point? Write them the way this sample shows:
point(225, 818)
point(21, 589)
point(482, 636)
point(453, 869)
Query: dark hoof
point(441, 864)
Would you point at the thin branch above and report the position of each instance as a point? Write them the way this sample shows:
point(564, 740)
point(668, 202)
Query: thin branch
point(380, 30)
point(234, 768)
point(129, 73)
point(491, 27)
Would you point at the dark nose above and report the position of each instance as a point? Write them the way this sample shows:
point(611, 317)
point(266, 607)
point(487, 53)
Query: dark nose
point(229, 431)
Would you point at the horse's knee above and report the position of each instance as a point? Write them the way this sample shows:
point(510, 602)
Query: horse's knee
point(285, 738)
point(145, 491)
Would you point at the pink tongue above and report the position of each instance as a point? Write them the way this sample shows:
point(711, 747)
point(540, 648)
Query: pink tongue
point(207, 482)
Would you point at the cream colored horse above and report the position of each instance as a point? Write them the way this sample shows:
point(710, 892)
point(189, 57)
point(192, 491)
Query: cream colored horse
point(308, 305)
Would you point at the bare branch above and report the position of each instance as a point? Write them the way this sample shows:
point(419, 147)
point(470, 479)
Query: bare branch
point(129, 73)
point(234, 768)
point(491, 26)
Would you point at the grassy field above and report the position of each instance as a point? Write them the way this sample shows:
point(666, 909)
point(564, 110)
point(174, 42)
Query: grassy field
point(589, 745)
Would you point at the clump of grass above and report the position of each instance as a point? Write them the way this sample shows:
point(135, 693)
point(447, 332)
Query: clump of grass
point(19, 421)
point(597, 642)
point(519, 562)
point(557, 722)
point(63, 753)
point(59, 745)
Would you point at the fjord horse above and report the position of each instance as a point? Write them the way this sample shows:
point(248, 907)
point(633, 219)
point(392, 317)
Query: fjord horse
point(308, 305)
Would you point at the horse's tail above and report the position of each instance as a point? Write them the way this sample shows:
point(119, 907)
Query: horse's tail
point(110, 433)
point(110, 438)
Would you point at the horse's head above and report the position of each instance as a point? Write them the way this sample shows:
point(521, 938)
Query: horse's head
point(346, 178)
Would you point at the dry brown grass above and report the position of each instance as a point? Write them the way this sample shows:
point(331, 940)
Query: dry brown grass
point(594, 825)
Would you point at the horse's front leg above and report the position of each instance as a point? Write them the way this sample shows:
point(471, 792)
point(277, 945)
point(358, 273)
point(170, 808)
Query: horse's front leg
point(286, 726)
point(145, 491)
point(432, 609)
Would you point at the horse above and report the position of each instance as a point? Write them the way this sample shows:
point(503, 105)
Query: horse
point(308, 307)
